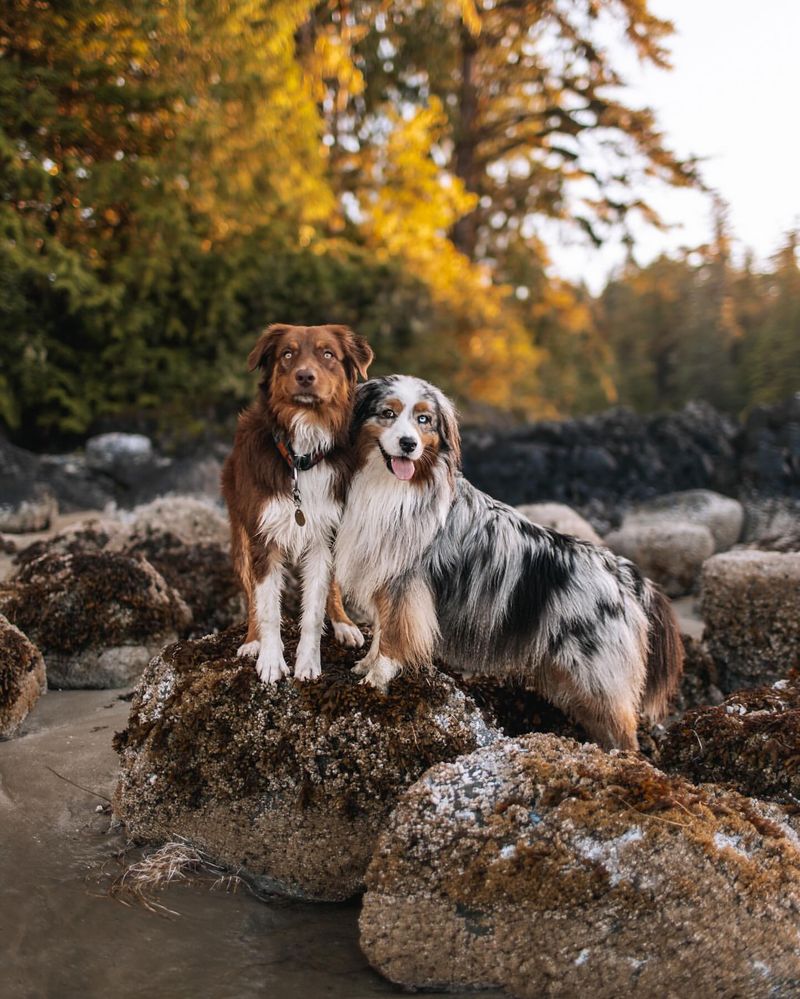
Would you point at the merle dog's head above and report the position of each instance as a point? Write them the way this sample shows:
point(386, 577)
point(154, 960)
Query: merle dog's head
point(410, 423)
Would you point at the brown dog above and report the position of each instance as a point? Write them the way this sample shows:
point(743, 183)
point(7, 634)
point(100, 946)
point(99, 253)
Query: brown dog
point(285, 481)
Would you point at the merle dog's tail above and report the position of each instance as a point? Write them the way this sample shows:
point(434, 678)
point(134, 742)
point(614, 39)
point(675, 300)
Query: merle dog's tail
point(665, 656)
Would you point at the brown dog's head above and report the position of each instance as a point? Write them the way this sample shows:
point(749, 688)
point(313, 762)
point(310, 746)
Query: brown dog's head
point(311, 370)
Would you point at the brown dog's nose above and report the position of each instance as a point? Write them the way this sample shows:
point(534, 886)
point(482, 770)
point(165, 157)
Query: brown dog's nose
point(305, 377)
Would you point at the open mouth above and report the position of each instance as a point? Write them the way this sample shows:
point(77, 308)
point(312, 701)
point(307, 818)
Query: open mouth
point(401, 468)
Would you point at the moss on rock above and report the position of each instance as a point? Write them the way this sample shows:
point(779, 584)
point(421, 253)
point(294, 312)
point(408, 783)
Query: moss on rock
point(289, 784)
point(555, 869)
point(509, 704)
point(22, 677)
point(96, 616)
point(203, 575)
point(750, 742)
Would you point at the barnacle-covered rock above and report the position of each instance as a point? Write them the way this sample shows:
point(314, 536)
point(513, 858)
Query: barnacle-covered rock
point(750, 742)
point(94, 534)
point(194, 521)
point(97, 616)
point(291, 783)
point(555, 869)
point(750, 603)
point(22, 678)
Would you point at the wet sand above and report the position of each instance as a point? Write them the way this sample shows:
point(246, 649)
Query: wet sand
point(62, 935)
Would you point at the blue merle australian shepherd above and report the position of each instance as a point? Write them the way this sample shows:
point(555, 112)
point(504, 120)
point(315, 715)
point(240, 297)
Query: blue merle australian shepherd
point(445, 570)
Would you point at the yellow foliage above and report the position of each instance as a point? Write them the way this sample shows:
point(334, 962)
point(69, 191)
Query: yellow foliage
point(409, 206)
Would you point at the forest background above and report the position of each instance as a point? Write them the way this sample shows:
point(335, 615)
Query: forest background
point(176, 174)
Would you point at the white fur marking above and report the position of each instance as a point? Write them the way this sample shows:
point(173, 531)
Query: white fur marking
point(249, 649)
point(270, 664)
point(316, 572)
point(306, 435)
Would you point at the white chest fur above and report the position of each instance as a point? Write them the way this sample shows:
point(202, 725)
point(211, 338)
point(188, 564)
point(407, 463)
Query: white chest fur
point(386, 527)
point(320, 509)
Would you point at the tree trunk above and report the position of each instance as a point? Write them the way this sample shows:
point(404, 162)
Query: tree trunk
point(465, 231)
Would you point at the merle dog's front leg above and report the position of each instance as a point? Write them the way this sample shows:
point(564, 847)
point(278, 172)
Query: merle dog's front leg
point(363, 667)
point(405, 632)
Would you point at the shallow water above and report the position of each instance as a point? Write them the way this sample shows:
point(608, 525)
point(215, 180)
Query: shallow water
point(63, 935)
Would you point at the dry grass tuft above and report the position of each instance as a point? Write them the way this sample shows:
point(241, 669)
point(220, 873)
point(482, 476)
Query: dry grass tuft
point(175, 861)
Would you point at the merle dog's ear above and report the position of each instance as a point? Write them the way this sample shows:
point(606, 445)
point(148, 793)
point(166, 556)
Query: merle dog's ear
point(367, 395)
point(357, 352)
point(263, 354)
point(448, 427)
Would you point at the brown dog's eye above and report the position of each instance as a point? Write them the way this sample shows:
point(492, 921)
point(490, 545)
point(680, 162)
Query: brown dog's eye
point(328, 354)
point(287, 355)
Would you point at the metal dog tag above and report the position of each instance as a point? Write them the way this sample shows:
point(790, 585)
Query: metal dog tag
point(299, 516)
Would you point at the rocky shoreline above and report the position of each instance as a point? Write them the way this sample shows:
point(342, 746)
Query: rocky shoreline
point(599, 464)
point(495, 847)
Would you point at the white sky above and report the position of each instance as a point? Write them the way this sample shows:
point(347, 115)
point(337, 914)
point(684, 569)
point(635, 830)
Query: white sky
point(731, 98)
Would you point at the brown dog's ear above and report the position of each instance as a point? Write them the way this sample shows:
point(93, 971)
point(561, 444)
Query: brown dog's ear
point(356, 349)
point(263, 354)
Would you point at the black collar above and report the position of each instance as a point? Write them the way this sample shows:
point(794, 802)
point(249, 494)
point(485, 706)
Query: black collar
point(302, 462)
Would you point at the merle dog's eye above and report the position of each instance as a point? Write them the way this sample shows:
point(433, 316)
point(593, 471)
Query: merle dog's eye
point(423, 418)
point(387, 414)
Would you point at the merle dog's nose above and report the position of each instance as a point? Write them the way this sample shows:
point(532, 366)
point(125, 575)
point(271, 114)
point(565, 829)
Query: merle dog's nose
point(407, 444)
point(305, 377)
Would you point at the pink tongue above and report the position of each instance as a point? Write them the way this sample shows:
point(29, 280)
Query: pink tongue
point(403, 468)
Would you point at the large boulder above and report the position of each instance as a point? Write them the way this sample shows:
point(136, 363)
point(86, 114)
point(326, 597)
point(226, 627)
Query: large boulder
point(750, 742)
point(22, 677)
point(202, 574)
point(193, 521)
point(722, 515)
point(94, 534)
point(608, 458)
point(750, 602)
point(554, 869)
point(183, 538)
point(560, 518)
point(26, 504)
point(122, 457)
point(288, 784)
point(670, 552)
point(98, 617)
point(188, 541)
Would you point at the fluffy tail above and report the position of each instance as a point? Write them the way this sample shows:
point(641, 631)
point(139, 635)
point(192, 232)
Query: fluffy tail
point(665, 657)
